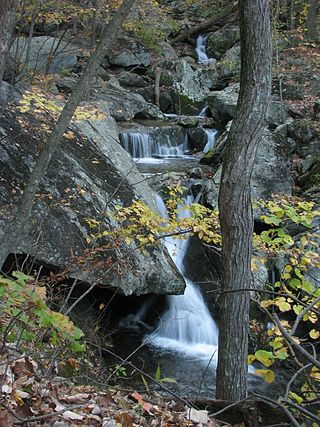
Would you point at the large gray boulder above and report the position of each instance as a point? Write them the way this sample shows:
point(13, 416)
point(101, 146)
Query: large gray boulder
point(223, 104)
point(222, 40)
point(47, 54)
point(272, 168)
point(229, 65)
point(88, 176)
point(129, 55)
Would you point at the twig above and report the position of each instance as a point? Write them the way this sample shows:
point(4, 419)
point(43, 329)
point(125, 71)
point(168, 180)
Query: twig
point(142, 372)
point(229, 407)
point(204, 374)
point(51, 414)
point(303, 410)
point(296, 346)
point(294, 377)
point(283, 407)
point(302, 313)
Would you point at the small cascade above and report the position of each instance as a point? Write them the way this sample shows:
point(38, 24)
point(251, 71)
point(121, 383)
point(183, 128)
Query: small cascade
point(144, 146)
point(201, 51)
point(211, 135)
point(203, 112)
point(187, 325)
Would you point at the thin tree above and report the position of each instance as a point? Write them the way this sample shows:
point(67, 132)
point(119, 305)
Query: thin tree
point(235, 200)
point(7, 20)
point(20, 221)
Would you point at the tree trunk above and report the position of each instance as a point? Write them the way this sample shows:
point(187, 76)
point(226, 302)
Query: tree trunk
point(235, 200)
point(311, 22)
point(7, 19)
point(19, 223)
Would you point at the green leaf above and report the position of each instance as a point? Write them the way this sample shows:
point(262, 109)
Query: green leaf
point(21, 277)
point(158, 373)
point(265, 357)
point(295, 397)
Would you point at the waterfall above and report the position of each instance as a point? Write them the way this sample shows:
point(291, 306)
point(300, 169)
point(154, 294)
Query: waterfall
point(201, 51)
point(143, 146)
point(211, 135)
point(187, 325)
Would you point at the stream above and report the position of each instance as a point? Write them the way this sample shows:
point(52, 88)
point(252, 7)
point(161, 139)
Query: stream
point(182, 341)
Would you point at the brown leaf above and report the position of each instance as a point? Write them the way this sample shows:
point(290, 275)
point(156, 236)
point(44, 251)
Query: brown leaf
point(125, 419)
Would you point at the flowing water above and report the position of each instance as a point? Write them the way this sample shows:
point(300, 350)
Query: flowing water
point(187, 325)
point(211, 135)
point(201, 51)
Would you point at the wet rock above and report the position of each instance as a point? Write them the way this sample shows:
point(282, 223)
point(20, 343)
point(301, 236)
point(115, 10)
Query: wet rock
point(88, 175)
point(197, 138)
point(47, 54)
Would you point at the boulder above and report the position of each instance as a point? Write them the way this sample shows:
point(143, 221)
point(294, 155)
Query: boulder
point(271, 172)
point(47, 54)
point(222, 105)
point(229, 65)
point(88, 176)
point(221, 41)
point(133, 55)
point(127, 79)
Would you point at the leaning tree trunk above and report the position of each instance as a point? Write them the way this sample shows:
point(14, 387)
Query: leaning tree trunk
point(7, 19)
point(19, 223)
point(311, 22)
point(234, 197)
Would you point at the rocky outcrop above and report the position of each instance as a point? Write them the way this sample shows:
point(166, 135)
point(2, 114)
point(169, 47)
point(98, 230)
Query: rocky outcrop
point(223, 104)
point(47, 54)
point(88, 175)
point(222, 40)
point(272, 169)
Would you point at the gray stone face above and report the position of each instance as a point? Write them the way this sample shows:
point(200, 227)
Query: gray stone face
point(88, 175)
point(135, 57)
point(223, 105)
point(229, 65)
point(47, 54)
point(222, 40)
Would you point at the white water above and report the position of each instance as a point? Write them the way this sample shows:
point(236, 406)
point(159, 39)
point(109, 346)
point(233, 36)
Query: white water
point(201, 51)
point(211, 135)
point(143, 146)
point(187, 325)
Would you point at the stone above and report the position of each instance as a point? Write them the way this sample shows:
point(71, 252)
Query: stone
point(271, 172)
point(221, 41)
point(127, 79)
point(197, 138)
point(47, 54)
point(88, 175)
point(222, 105)
point(137, 56)
point(229, 65)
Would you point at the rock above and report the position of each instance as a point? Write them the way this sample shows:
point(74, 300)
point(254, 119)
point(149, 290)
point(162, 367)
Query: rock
point(307, 136)
point(271, 172)
point(316, 107)
point(222, 40)
point(134, 55)
point(127, 79)
point(88, 175)
point(189, 86)
point(229, 65)
point(167, 51)
point(223, 104)
point(197, 138)
point(9, 93)
point(47, 54)
point(293, 91)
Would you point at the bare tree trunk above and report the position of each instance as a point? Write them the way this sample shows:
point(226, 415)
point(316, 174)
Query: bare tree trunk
point(311, 23)
point(18, 225)
point(235, 200)
point(7, 19)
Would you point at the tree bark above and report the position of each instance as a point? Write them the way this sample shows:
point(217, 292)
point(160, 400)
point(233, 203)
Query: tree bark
point(19, 223)
point(235, 199)
point(7, 19)
point(311, 22)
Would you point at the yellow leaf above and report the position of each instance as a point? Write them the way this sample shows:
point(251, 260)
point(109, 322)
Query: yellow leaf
point(314, 334)
point(267, 374)
point(251, 358)
point(101, 306)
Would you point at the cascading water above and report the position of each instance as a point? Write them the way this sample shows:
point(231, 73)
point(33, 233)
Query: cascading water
point(211, 135)
point(201, 51)
point(143, 146)
point(187, 325)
